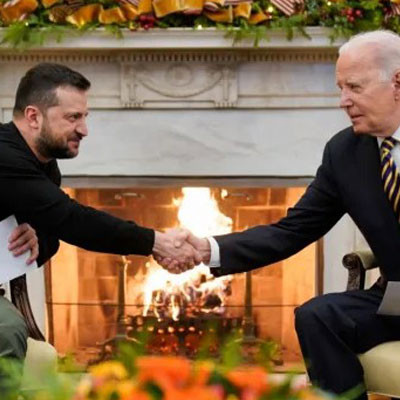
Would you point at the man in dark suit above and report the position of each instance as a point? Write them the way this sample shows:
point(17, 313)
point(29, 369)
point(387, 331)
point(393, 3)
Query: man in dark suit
point(357, 178)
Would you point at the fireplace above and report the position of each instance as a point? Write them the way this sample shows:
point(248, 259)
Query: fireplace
point(179, 309)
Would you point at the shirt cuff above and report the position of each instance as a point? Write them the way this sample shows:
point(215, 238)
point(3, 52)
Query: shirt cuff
point(215, 261)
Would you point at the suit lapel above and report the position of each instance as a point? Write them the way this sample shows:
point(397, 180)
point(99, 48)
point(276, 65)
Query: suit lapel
point(367, 160)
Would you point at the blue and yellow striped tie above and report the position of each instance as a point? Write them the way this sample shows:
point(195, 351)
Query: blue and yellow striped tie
point(390, 174)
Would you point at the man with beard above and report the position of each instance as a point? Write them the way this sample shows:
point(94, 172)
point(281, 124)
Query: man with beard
point(49, 122)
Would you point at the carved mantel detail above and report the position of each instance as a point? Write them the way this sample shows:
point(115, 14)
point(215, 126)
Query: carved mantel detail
point(175, 83)
point(169, 70)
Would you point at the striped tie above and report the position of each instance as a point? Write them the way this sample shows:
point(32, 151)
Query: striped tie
point(390, 175)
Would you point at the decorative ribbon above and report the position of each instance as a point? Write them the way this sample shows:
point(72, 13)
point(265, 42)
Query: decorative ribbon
point(60, 12)
point(165, 7)
point(395, 7)
point(223, 15)
point(16, 10)
point(288, 7)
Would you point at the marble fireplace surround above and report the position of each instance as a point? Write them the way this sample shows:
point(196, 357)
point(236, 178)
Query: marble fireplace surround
point(188, 103)
point(188, 106)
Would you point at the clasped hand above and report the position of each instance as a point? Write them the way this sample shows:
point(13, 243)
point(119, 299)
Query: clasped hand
point(178, 250)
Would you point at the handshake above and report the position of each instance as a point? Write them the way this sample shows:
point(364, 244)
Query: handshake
point(178, 250)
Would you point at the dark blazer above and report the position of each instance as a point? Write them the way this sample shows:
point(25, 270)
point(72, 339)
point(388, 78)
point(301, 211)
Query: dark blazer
point(348, 181)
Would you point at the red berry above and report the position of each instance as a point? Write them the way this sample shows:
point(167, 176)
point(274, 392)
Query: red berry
point(358, 13)
point(349, 11)
point(350, 18)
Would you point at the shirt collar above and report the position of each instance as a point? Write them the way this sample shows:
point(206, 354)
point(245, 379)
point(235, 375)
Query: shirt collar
point(396, 135)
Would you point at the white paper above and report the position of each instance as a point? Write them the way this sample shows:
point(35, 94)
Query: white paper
point(390, 304)
point(10, 266)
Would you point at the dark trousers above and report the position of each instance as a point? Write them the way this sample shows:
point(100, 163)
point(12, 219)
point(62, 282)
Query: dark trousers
point(334, 328)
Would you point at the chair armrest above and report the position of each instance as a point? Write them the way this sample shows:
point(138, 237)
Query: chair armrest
point(357, 263)
point(19, 297)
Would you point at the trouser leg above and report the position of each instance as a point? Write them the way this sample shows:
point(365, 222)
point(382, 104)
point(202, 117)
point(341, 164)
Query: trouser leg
point(13, 345)
point(332, 329)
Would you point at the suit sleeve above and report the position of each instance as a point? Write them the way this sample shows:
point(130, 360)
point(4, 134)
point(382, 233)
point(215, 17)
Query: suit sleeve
point(48, 246)
point(41, 203)
point(316, 213)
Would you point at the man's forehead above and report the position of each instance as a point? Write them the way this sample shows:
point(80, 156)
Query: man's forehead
point(355, 65)
point(364, 55)
point(71, 97)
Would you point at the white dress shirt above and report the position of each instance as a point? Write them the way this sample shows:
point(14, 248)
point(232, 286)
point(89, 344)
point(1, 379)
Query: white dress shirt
point(215, 261)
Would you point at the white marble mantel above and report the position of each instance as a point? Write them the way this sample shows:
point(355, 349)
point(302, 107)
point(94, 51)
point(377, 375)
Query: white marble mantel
point(185, 102)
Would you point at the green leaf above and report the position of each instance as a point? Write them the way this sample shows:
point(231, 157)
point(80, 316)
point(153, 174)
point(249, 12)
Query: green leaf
point(370, 4)
point(129, 351)
point(114, 30)
point(218, 379)
point(267, 352)
point(154, 391)
point(231, 355)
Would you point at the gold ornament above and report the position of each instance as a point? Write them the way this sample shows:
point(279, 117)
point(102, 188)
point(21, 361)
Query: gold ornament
point(49, 3)
point(111, 16)
point(223, 15)
point(165, 7)
point(258, 17)
point(130, 11)
point(193, 7)
point(242, 10)
point(16, 10)
point(145, 7)
point(84, 15)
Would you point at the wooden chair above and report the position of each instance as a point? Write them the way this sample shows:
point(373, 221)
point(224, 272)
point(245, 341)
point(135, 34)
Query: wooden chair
point(381, 363)
point(20, 298)
point(41, 356)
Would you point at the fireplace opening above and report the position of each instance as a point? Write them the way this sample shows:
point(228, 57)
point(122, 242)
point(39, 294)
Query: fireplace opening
point(93, 298)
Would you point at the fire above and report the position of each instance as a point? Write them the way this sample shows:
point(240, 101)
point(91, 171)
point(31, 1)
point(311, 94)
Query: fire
point(195, 291)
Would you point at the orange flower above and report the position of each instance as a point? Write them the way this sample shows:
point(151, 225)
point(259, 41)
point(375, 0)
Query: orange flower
point(132, 393)
point(167, 372)
point(193, 392)
point(254, 378)
point(201, 372)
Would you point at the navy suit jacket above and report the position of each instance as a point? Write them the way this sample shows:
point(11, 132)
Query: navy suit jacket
point(348, 181)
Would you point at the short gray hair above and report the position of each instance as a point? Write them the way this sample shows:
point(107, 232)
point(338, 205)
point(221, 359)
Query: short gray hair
point(387, 46)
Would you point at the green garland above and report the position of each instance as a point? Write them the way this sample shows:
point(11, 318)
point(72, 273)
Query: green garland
point(345, 18)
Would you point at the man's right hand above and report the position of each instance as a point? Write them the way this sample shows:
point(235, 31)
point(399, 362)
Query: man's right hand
point(173, 252)
point(187, 250)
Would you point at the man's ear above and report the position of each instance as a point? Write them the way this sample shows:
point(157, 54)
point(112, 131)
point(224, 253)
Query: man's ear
point(33, 116)
point(396, 84)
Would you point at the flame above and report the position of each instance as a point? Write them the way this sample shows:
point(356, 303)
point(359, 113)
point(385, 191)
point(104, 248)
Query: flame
point(200, 214)
point(166, 294)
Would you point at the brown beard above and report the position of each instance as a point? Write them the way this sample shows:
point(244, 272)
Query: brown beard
point(49, 147)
